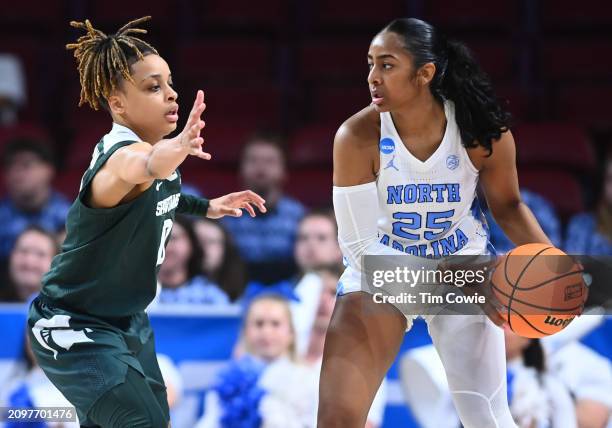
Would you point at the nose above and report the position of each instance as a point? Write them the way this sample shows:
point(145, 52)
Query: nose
point(374, 77)
point(172, 94)
point(28, 260)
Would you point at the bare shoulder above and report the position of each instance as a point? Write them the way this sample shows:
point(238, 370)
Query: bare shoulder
point(112, 184)
point(356, 156)
point(361, 130)
point(138, 149)
point(502, 149)
point(125, 157)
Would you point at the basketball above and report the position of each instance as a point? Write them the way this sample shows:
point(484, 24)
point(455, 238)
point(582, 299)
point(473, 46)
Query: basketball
point(541, 289)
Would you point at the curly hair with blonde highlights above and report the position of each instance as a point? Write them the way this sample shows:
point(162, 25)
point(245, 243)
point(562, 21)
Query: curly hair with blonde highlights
point(104, 60)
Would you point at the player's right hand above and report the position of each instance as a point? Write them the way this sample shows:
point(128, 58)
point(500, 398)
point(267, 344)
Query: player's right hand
point(491, 306)
point(190, 138)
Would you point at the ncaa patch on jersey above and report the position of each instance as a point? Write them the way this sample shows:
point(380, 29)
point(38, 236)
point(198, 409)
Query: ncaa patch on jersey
point(452, 162)
point(387, 146)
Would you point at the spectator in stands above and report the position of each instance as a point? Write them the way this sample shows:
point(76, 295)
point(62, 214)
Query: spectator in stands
point(222, 263)
point(28, 172)
point(12, 89)
point(313, 355)
point(316, 247)
point(266, 242)
point(29, 388)
point(543, 211)
point(536, 396)
point(180, 275)
point(329, 279)
point(30, 259)
point(591, 233)
point(586, 373)
point(316, 244)
point(265, 386)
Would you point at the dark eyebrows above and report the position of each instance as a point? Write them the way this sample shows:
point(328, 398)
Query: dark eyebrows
point(383, 56)
point(156, 76)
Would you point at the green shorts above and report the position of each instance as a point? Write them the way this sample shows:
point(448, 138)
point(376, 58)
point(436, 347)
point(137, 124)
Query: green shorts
point(85, 357)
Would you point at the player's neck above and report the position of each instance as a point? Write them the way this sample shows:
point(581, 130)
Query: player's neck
point(148, 137)
point(418, 118)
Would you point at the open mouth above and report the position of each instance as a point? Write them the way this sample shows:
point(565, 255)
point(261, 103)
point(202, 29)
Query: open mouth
point(172, 114)
point(376, 98)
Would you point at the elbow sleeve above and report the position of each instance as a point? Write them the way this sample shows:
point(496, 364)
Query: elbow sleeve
point(356, 209)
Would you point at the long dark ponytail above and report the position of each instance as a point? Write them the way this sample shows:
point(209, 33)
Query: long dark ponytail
point(459, 78)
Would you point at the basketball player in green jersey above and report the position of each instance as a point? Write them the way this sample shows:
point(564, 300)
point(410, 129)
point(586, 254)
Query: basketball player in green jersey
point(88, 328)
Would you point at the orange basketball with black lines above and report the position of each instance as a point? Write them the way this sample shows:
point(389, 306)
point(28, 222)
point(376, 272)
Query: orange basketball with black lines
point(541, 289)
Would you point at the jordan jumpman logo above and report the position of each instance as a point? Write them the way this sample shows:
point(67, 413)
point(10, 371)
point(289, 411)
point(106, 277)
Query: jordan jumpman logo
point(390, 164)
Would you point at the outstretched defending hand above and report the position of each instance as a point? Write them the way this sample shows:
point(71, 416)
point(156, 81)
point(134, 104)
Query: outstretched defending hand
point(190, 136)
point(232, 203)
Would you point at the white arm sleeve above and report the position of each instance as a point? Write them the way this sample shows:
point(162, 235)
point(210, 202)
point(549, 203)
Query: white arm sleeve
point(356, 209)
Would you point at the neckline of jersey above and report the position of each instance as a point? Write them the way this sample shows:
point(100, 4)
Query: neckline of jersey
point(437, 153)
point(117, 134)
point(122, 129)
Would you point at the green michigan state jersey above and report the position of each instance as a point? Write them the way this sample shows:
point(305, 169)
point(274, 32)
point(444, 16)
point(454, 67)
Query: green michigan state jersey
point(110, 258)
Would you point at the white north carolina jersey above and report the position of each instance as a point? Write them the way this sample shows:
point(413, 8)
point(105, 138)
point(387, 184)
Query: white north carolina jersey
point(429, 209)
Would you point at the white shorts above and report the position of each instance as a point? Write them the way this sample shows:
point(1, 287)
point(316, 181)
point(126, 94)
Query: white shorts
point(351, 281)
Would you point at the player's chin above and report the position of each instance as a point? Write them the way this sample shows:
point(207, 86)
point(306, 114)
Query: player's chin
point(170, 126)
point(380, 108)
point(167, 128)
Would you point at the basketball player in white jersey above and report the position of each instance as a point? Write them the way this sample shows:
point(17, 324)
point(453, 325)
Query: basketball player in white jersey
point(405, 176)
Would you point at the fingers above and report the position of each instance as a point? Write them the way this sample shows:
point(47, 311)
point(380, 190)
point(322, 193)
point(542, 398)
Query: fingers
point(196, 149)
point(252, 197)
point(255, 197)
point(203, 155)
point(195, 112)
point(199, 99)
point(249, 209)
point(194, 116)
point(261, 207)
point(197, 109)
point(494, 310)
point(233, 203)
point(193, 141)
point(495, 316)
point(190, 136)
point(233, 212)
point(194, 130)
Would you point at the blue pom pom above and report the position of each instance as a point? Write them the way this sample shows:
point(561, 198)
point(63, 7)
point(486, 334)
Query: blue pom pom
point(239, 393)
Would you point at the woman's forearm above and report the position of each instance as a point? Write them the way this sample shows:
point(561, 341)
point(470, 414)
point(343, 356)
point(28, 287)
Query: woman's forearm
point(520, 225)
point(165, 157)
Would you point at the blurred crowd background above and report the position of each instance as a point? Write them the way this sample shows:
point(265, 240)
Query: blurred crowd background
point(279, 77)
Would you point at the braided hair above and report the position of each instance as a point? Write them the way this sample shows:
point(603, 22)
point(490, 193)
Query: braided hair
point(104, 60)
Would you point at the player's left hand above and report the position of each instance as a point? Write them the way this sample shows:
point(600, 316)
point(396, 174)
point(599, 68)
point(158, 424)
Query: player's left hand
point(233, 203)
